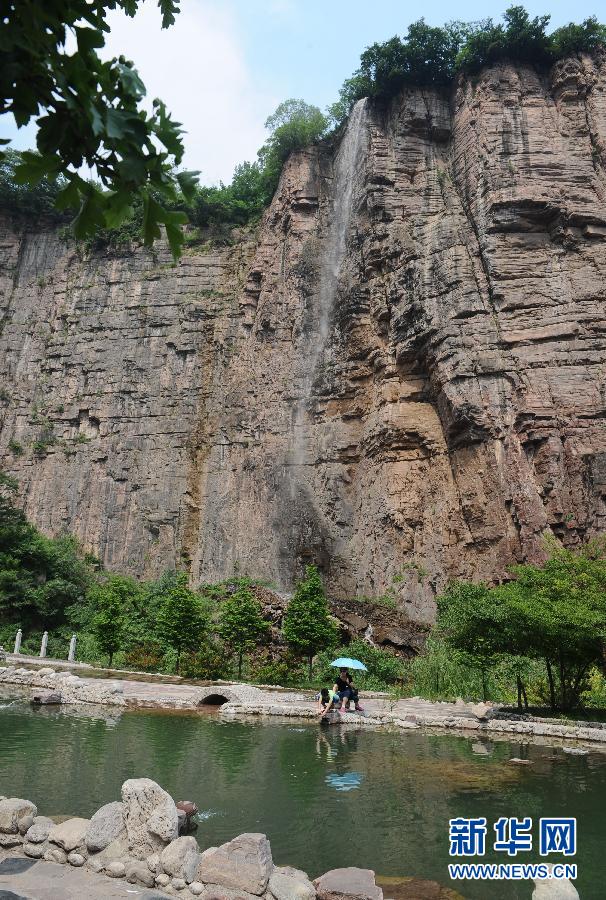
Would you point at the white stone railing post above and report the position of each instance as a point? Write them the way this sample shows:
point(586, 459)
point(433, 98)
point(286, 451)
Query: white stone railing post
point(44, 644)
point(18, 642)
point(72, 649)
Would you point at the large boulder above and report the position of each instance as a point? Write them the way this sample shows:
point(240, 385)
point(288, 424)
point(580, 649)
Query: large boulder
point(348, 882)
point(69, 835)
point(244, 863)
point(106, 826)
point(11, 810)
point(181, 858)
point(289, 887)
point(150, 816)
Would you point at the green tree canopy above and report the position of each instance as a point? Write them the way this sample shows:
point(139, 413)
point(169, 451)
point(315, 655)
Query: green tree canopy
point(112, 601)
point(308, 627)
point(555, 612)
point(295, 124)
point(434, 56)
point(89, 112)
point(40, 577)
point(182, 618)
point(241, 624)
point(520, 38)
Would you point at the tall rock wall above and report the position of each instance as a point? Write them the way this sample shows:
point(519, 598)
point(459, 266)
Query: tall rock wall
point(401, 376)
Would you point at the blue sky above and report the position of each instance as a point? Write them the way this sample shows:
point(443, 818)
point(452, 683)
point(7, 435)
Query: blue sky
point(226, 64)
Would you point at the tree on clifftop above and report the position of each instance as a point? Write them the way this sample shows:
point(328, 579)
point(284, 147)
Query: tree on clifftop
point(308, 627)
point(241, 624)
point(182, 619)
point(89, 113)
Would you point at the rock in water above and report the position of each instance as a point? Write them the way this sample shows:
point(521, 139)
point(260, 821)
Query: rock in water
point(186, 810)
point(244, 863)
point(348, 882)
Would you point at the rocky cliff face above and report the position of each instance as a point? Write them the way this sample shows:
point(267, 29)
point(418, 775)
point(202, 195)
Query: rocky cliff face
point(402, 375)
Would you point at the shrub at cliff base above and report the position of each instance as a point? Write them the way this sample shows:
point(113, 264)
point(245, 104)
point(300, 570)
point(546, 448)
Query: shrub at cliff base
point(555, 613)
point(41, 579)
point(209, 662)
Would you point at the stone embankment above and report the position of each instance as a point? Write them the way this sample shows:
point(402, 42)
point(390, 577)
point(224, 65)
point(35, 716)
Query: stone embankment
point(137, 839)
point(44, 685)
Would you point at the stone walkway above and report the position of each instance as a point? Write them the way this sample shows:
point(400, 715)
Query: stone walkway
point(244, 700)
point(155, 693)
point(30, 879)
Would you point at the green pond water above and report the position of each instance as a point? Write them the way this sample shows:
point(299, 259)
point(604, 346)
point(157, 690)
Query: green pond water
point(325, 797)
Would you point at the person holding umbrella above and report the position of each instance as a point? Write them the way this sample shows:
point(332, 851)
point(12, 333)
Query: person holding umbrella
point(344, 686)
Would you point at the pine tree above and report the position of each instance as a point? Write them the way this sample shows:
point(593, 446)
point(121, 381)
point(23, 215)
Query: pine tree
point(308, 627)
point(241, 624)
point(111, 602)
point(182, 620)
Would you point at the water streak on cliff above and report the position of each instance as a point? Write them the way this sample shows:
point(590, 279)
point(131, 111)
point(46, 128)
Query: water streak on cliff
point(345, 190)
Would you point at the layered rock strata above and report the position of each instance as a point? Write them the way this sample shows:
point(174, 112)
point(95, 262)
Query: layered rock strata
point(404, 390)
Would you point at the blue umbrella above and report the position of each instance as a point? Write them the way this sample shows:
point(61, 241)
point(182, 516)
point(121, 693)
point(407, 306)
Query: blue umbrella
point(344, 662)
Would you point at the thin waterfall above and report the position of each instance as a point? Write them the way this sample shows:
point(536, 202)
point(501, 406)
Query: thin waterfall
point(345, 171)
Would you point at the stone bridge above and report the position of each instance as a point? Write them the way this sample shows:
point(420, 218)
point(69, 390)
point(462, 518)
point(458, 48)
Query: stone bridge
point(218, 694)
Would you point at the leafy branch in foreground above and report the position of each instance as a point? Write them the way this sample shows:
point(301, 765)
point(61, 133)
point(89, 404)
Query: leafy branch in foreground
point(213, 211)
point(88, 113)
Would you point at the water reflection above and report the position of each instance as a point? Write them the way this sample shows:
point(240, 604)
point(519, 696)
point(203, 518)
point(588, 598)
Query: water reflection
point(348, 782)
point(394, 791)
